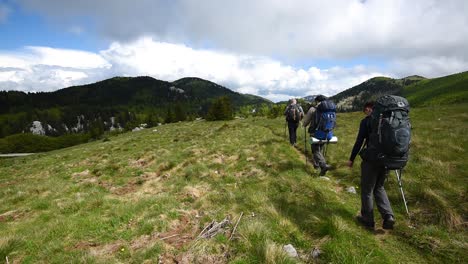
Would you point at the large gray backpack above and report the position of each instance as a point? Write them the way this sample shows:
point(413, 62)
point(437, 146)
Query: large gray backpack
point(293, 113)
point(390, 130)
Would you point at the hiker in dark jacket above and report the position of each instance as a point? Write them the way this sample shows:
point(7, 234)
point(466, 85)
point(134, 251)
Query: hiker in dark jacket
point(317, 149)
point(294, 114)
point(373, 177)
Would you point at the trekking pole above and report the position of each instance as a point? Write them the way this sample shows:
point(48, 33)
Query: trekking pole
point(305, 145)
point(285, 125)
point(398, 174)
point(325, 147)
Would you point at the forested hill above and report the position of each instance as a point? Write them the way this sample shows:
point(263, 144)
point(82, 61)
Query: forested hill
point(125, 91)
point(120, 102)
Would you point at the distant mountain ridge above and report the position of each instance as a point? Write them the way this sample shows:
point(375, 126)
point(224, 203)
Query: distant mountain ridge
point(354, 98)
point(117, 102)
point(142, 91)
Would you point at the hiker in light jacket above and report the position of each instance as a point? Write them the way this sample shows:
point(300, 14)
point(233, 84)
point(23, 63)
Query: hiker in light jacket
point(372, 179)
point(293, 114)
point(317, 149)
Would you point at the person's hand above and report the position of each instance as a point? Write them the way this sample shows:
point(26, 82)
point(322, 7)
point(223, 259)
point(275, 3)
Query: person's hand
point(350, 163)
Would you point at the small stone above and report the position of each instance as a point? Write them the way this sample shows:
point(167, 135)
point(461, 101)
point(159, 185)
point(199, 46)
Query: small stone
point(351, 190)
point(290, 250)
point(324, 178)
point(316, 253)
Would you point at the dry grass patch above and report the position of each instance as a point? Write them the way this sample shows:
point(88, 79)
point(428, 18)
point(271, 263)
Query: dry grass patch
point(13, 215)
point(195, 192)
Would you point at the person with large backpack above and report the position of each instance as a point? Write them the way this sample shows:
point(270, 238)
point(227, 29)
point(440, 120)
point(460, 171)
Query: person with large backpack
point(385, 135)
point(321, 121)
point(294, 114)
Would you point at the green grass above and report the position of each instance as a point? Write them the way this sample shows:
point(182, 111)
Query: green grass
point(145, 196)
point(446, 90)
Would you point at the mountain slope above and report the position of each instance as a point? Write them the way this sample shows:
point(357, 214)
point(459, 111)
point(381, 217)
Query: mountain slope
point(146, 196)
point(354, 98)
point(120, 102)
point(439, 91)
point(118, 91)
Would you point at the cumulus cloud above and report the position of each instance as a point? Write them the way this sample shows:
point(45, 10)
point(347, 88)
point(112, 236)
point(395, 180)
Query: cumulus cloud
point(47, 69)
point(35, 69)
point(257, 75)
point(396, 29)
point(430, 67)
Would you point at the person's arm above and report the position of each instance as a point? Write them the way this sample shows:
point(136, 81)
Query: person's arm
point(301, 111)
point(308, 117)
point(362, 135)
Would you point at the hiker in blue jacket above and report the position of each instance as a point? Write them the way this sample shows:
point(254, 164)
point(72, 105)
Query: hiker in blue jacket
point(293, 114)
point(373, 177)
point(317, 149)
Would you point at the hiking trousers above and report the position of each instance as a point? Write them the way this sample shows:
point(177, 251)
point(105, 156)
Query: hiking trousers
point(292, 126)
point(372, 186)
point(317, 153)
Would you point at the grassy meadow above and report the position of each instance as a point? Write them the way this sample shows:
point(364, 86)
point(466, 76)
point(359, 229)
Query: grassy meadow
point(144, 197)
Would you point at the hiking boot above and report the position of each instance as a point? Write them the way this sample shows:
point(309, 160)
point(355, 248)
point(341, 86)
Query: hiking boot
point(324, 170)
point(388, 222)
point(364, 223)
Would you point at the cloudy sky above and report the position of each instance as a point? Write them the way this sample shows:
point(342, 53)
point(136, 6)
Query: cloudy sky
point(273, 48)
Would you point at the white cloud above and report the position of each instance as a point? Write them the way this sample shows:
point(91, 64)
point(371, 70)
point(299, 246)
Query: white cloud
point(246, 74)
point(430, 67)
point(47, 69)
point(296, 29)
point(36, 69)
point(66, 58)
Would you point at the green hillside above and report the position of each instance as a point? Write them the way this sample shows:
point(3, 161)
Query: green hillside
point(440, 91)
point(144, 197)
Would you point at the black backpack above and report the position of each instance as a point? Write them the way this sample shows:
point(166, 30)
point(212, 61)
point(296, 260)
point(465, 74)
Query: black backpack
point(325, 120)
point(293, 113)
point(390, 134)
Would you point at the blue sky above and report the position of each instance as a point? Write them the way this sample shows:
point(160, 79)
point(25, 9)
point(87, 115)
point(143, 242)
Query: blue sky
point(272, 48)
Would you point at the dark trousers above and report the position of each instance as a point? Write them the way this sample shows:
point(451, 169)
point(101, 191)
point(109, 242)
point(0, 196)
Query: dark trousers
point(372, 186)
point(317, 154)
point(292, 126)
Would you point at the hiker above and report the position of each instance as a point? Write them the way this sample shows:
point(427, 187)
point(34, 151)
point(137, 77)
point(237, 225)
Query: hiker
point(294, 114)
point(312, 118)
point(373, 175)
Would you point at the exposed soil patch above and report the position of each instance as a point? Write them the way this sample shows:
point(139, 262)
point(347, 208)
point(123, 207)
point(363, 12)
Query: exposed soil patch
point(189, 258)
point(12, 215)
point(142, 162)
point(8, 183)
point(107, 249)
point(183, 231)
point(84, 245)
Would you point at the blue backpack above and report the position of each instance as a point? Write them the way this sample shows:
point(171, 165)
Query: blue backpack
point(325, 120)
